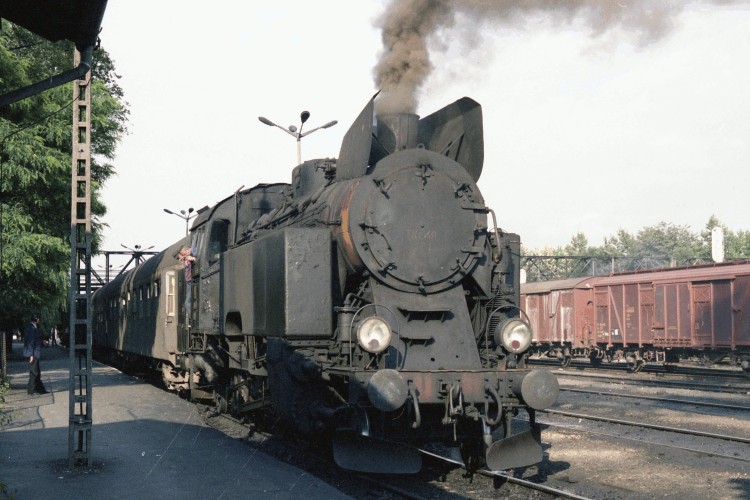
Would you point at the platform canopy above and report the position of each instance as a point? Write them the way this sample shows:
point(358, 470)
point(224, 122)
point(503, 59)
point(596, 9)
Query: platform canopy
point(75, 20)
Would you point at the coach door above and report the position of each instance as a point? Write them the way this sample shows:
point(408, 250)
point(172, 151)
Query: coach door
point(173, 321)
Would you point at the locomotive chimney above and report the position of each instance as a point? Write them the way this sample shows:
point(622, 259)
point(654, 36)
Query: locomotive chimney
point(397, 131)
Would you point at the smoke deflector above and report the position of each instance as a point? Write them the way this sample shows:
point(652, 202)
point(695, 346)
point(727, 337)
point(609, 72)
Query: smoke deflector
point(454, 131)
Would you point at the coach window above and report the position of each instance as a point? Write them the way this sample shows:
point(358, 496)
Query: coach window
point(170, 296)
point(123, 308)
point(218, 241)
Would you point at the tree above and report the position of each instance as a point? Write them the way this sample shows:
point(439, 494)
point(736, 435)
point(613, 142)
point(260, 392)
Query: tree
point(662, 245)
point(669, 240)
point(736, 245)
point(35, 171)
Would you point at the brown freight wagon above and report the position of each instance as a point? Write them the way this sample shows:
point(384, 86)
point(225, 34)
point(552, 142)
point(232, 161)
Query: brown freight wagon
point(660, 316)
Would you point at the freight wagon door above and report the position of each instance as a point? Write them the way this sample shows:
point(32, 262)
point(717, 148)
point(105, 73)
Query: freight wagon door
point(601, 303)
point(646, 321)
point(558, 314)
point(672, 318)
point(702, 320)
point(722, 313)
point(535, 313)
point(741, 310)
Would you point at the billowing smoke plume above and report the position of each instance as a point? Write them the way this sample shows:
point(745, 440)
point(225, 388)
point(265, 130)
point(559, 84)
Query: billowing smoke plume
point(409, 27)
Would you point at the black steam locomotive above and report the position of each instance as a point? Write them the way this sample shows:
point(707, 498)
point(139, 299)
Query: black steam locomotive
point(367, 302)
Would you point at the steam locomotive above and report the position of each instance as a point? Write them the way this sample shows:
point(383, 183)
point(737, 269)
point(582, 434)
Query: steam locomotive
point(367, 302)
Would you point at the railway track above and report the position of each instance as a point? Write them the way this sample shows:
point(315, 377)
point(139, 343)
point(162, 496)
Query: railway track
point(664, 443)
point(550, 479)
point(731, 387)
point(707, 404)
point(452, 483)
point(503, 476)
point(698, 423)
point(671, 369)
point(646, 425)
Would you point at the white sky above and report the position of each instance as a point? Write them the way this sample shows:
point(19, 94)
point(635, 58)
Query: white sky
point(581, 133)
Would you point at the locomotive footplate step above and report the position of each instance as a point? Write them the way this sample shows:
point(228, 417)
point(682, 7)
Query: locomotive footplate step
point(145, 443)
point(366, 454)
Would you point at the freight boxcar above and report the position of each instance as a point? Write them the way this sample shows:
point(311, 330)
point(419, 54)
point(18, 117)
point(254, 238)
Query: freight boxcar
point(660, 316)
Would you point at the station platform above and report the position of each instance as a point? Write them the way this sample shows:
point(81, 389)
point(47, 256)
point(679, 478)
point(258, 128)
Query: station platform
point(146, 444)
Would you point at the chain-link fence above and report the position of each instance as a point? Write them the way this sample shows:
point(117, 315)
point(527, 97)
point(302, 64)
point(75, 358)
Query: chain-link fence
point(555, 267)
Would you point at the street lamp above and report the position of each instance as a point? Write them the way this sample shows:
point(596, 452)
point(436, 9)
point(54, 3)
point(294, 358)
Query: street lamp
point(185, 216)
point(297, 134)
point(136, 256)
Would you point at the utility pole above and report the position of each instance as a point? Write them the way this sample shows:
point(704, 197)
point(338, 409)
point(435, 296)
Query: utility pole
point(79, 346)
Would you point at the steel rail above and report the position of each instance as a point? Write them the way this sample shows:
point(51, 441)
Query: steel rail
point(725, 388)
point(656, 398)
point(677, 430)
point(514, 480)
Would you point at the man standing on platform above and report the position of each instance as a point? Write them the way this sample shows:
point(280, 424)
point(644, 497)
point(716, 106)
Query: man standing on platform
point(32, 349)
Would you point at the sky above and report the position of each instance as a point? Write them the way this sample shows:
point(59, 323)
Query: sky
point(586, 129)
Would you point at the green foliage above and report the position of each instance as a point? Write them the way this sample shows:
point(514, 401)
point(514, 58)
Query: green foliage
point(35, 171)
point(662, 245)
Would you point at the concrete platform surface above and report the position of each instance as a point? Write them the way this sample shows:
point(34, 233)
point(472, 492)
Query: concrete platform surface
point(146, 444)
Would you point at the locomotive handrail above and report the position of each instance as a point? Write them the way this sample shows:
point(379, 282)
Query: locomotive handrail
point(417, 414)
point(493, 392)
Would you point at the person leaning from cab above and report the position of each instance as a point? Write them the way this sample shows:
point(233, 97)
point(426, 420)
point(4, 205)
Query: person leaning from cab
point(187, 257)
point(32, 349)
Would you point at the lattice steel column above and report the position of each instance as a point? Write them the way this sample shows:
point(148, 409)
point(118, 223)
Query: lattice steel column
point(80, 422)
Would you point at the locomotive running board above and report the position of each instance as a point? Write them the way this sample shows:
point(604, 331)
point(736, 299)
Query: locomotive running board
point(520, 450)
point(355, 452)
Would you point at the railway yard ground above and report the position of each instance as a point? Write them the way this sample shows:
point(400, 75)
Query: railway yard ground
point(610, 436)
point(648, 436)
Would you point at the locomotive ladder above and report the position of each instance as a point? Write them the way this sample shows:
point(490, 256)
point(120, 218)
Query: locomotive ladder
point(79, 346)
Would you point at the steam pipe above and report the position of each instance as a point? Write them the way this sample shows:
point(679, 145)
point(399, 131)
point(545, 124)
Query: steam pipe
point(83, 67)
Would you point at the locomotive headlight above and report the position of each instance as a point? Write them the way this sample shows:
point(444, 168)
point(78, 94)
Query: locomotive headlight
point(514, 335)
point(374, 335)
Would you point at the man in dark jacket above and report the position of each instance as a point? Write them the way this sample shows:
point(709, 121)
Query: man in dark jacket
point(32, 349)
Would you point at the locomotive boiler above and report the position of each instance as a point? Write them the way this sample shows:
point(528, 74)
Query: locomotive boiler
point(367, 302)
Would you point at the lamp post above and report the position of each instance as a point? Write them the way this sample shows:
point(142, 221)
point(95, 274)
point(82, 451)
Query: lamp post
point(183, 215)
point(138, 252)
point(297, 134)
point(136, 256)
